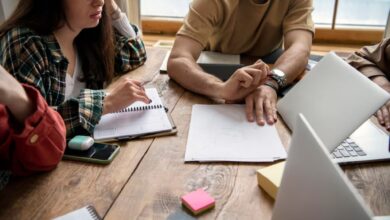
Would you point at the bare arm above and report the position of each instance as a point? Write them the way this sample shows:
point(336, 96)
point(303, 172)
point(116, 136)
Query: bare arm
point(182, 68)
point(297, 44)
point(14, 96)
point(383, 114)
point(261, 104)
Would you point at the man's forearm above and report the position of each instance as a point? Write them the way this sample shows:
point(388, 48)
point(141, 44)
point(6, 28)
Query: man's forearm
point(382, 81)
point(293, 61)
point(189, 74)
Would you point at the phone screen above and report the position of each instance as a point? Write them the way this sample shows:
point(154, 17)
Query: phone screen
point(98, 152)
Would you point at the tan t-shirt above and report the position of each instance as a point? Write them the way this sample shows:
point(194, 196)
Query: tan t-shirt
point(245, 26)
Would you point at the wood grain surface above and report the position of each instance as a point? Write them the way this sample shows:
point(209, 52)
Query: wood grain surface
point(147, 178)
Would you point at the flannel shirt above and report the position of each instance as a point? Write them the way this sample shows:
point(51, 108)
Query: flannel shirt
point(38, 61)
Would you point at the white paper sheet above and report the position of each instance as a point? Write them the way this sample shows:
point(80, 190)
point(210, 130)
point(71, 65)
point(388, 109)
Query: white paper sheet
point(222, 133)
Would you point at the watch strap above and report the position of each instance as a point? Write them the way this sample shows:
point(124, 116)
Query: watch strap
point(271, 85)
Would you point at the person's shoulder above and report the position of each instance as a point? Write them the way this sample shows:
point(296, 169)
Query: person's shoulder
point(19, 33)
point(21, 37)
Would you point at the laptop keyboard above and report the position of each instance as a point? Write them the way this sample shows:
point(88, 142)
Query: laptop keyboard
point(348, 149)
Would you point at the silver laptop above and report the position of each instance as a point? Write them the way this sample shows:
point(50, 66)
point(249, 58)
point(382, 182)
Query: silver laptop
point(313, 186)
point(337, 99)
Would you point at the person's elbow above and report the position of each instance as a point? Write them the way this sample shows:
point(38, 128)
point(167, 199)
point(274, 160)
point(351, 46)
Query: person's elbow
point(47, 152)
point(173, 64)
point(55, 144)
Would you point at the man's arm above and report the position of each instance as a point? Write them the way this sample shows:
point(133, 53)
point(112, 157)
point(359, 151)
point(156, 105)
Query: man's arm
point(383, 114)
point(182, 67)
point(373, 62)
point(292, 62)
point(262, 102)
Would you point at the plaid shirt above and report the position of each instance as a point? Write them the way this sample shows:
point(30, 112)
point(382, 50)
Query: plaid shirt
point(38, 61)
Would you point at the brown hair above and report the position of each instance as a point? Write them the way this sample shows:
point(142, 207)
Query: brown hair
point(95, 45)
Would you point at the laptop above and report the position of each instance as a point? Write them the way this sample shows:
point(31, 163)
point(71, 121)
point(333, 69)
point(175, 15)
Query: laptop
point(337, 99)
point(313, 186)
point(218, 64)
point(221, 71)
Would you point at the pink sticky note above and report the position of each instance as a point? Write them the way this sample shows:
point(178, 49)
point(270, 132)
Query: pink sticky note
point(198, 201)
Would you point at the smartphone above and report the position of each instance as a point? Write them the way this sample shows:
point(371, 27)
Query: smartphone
point(98, 153)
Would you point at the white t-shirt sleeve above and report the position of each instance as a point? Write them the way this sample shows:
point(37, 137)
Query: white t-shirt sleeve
point(122, 24)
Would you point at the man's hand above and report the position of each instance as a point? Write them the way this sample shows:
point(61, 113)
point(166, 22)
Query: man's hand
point(244, 81)
point(261, 105)
point(383, 115)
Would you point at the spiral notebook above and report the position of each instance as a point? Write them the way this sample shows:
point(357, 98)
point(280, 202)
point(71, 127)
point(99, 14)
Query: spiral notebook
point(86, 213)
point(138, 119)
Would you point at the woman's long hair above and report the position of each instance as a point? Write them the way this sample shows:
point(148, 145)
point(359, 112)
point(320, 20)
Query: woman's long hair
point(95, 46)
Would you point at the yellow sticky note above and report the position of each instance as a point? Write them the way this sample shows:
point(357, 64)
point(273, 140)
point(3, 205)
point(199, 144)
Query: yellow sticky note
point(269, 178)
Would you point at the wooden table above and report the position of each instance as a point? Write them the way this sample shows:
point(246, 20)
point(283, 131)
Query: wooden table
point(147, 178)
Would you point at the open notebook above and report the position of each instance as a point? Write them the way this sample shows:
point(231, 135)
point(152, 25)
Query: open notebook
point(136, 120)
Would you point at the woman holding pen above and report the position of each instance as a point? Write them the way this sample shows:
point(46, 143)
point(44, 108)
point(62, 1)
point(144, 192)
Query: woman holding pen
point(70, 50)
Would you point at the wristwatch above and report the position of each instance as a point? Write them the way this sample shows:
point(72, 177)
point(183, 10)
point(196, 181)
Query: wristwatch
point(280, 77)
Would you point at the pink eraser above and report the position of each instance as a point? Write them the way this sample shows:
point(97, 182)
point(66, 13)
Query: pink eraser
point(198, 201)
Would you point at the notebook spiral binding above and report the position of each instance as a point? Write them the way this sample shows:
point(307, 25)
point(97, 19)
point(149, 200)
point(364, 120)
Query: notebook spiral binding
point(93, 213)
point(141, 108)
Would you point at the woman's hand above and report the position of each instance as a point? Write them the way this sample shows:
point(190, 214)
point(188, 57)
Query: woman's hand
point(113, 9)
point(124, 94)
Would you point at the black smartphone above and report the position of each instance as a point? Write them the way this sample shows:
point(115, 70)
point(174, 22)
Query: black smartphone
point(98, 153)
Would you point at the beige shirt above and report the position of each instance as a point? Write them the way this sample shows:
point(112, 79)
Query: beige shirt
point(377, 56)
point(245, 26)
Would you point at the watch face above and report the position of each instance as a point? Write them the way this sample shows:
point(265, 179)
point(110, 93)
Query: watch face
point(279, 76)
point(278, 73)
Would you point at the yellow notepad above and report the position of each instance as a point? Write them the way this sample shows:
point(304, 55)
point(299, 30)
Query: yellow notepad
point(269, 178)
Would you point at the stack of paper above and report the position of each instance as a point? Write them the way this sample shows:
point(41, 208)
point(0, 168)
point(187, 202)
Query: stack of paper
point(222, 133)
point(269, 178)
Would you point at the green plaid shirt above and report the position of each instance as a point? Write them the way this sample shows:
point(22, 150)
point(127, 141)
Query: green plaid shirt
point(38, 61)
